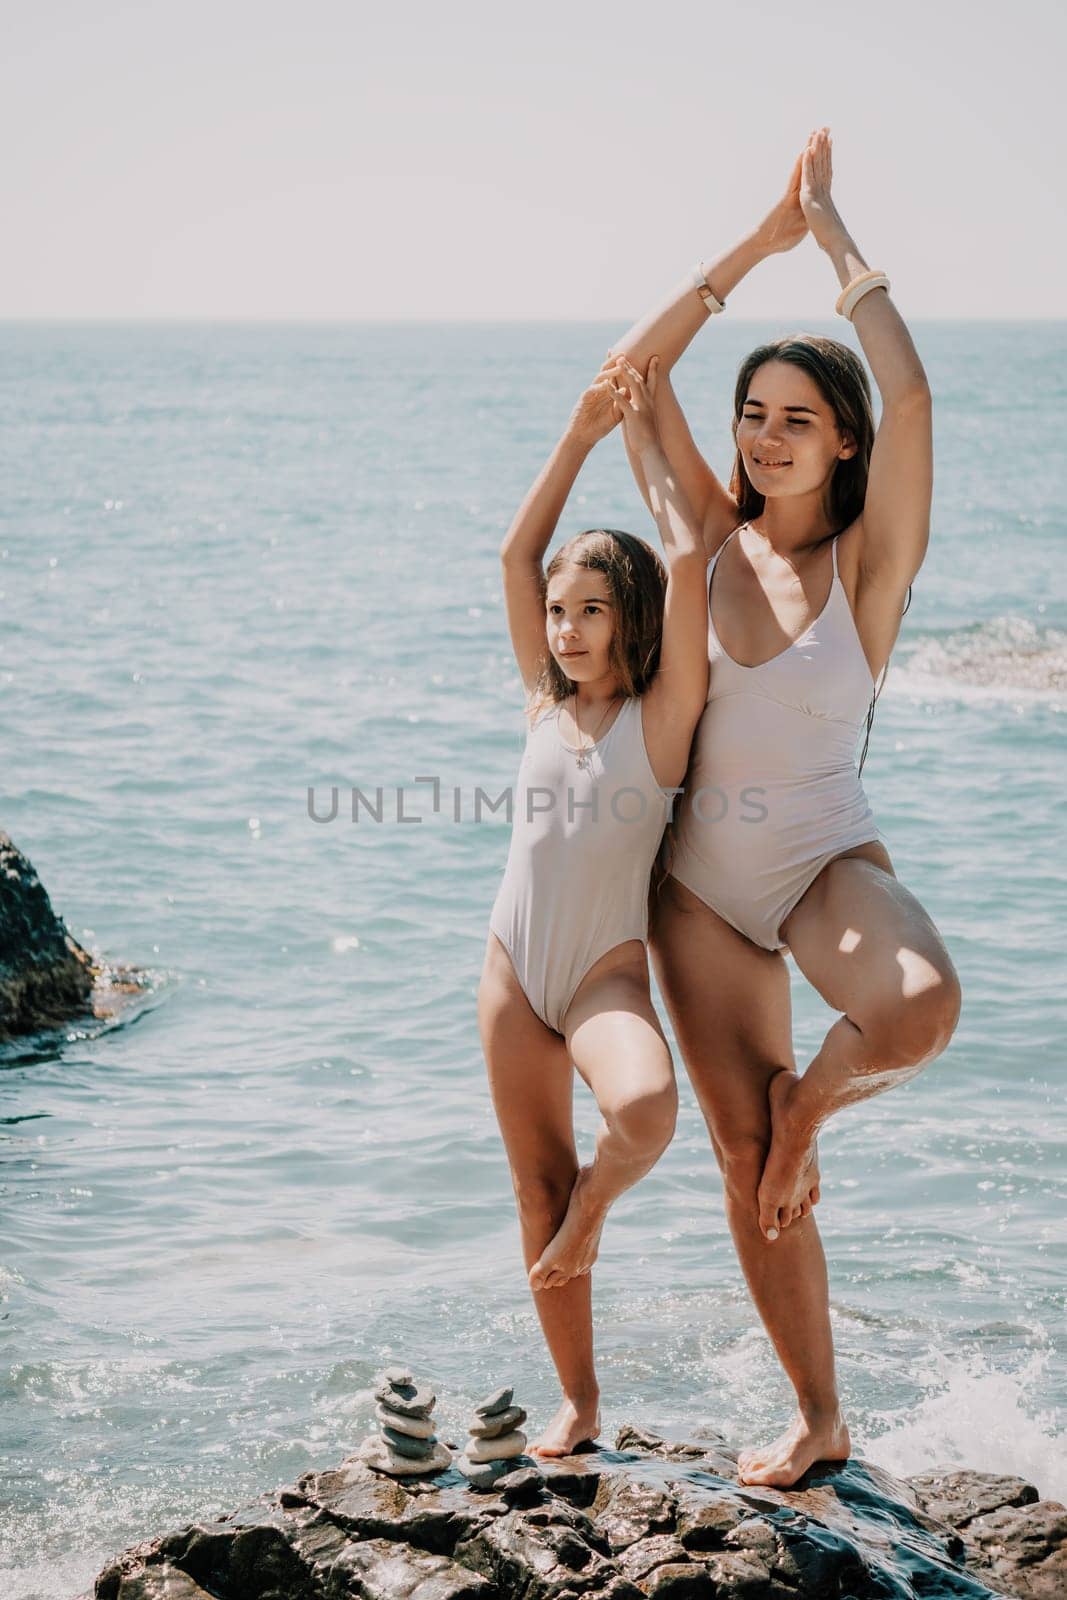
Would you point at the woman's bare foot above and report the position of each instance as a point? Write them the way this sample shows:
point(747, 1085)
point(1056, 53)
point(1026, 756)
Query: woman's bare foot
point(573, 1424)
point(781, 1463)
point(789, 1187)
point(573, 1247)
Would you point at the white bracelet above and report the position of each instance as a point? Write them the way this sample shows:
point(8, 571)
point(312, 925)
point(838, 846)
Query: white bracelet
point(853, 292)
point(700, 283)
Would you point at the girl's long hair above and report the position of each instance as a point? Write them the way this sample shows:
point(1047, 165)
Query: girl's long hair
point(637, 583)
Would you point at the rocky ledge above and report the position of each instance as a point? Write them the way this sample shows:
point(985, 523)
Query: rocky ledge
point(657, 1517)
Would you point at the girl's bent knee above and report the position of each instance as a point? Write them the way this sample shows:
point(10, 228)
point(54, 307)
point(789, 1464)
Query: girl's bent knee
point(646, 1121)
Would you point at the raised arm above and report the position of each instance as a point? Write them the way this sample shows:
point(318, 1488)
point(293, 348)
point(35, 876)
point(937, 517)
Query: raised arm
point(894, 526)
point(533, 525)
point(676, 697)
point(668, 330)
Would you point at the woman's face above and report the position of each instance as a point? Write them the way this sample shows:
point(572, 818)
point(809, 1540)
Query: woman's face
point(788, 435)
point(579, 622)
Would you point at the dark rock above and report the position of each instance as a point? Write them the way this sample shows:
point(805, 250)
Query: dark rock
point(1024, 1549)
point(379, 1569)
point(162, 1582)
point(483, 1474)
point(627, 1510)
point(523, 1487)
point(543, 1554)
point(644, 1556)
point(46, 979)
point(959, 1497)
point(657, 1518)
point(689, 1582)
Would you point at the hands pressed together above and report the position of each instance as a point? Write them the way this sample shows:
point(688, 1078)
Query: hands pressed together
point(619, 393)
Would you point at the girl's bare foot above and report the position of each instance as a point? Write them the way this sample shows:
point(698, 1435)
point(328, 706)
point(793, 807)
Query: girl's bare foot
point(573, 1424)
point(573, 1247)
point(818, 1437)
point(789, 1187)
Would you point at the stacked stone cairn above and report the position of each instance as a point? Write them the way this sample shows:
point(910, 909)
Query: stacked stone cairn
point(495, 1440)
point(405, 1444)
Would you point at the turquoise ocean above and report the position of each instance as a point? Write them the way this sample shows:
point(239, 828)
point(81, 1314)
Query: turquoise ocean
point(242, 562)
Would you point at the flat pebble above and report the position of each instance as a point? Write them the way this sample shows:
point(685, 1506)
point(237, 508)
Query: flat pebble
point(509, 1444)
point(404, 1445)
point(397, 1377)
point(499, 1400)
point(376, 1453)
point(414, 1427)
point(500, 1422)
point(413, 1401)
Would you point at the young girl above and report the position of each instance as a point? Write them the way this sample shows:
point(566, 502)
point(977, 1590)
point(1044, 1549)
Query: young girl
point(611, 654)
point(811, 553)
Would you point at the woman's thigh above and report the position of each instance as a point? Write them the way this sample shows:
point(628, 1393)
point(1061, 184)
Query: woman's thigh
point(730, 1005)
point(871, 950)
point(531, 1077)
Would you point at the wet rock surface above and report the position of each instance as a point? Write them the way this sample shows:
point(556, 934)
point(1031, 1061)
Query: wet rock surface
point(655, 1517)
point(46, 978)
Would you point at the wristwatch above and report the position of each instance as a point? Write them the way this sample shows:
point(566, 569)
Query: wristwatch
point(700, 283)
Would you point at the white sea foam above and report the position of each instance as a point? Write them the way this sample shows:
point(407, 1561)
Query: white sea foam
point(1007, 659)
point(974, 1416)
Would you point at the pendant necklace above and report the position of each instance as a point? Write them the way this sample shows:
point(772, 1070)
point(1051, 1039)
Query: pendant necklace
point(584, 756)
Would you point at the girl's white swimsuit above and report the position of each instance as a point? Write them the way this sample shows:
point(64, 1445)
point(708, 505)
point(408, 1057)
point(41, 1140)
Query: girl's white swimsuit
point(772, 793)
point(583, 843)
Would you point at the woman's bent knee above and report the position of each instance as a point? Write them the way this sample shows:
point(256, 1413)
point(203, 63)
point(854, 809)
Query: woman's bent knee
point(741, 1160)
point(915, 1027)
point(542, 1197)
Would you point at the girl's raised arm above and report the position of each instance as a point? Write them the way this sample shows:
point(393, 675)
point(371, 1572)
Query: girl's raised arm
point(676, 696)
point(667, 332)
point(895, 522)
point(533, 525)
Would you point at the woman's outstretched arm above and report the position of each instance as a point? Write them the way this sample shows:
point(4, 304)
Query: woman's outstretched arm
point(533, 525)
point(895, 524)
point(668, 330)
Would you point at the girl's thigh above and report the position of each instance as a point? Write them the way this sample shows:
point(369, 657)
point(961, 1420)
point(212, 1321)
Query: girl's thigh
point(615, 1038)
point(531, 1077)
point(730, 1006)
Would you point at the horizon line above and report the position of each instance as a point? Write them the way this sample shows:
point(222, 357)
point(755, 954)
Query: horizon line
point(272, 320)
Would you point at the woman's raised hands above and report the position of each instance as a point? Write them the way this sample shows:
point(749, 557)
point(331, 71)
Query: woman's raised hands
point(785, 224)
point(820, 213)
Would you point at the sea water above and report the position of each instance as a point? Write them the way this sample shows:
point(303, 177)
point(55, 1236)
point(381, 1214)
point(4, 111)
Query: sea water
point(239, 563)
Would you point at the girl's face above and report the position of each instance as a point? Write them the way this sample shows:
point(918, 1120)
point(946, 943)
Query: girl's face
point(788, 435)
point(579, 622)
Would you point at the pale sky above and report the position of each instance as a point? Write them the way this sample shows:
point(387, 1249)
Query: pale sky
point(468, 159)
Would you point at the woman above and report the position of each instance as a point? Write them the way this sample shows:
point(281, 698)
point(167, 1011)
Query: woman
point(610, 650)
point(811, 553)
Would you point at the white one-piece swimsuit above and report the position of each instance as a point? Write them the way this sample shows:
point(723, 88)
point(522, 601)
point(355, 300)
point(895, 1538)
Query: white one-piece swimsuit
point(583, 842)
point(772, 793)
